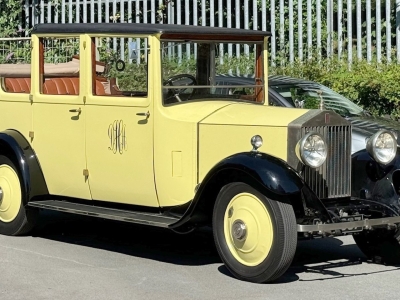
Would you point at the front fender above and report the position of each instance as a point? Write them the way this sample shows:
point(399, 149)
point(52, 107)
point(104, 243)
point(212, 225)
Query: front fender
point(375, 182)
point(268, 174)
point(14, 145)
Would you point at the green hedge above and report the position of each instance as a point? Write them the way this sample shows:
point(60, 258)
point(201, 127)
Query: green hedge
point(376, 87)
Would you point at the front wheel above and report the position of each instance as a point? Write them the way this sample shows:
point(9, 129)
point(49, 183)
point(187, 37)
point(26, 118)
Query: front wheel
point(255, 236)
point(15, 219)
point(380, 245)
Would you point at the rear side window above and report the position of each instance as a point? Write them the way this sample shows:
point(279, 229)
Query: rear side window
point(119, 66)
point(59, 66)
point(15, 68)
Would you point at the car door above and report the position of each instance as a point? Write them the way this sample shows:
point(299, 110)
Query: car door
point(59, 119)
point(119, 139)
point(119, 132)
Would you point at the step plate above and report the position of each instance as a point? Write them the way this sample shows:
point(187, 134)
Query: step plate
point(106, 213)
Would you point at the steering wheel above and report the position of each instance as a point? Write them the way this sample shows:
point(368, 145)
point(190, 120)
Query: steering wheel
point(181, 80)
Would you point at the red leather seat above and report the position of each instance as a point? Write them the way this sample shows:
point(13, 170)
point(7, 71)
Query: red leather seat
point(51, 86)
point(100, 90)
point(18, 85)
point(67, 86)
point(61, 86)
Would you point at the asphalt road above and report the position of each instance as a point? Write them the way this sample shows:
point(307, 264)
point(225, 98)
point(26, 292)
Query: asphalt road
point(73, 257)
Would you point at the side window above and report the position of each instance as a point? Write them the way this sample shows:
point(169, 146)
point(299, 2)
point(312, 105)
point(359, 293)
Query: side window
point(15, 68)
point(198, 70)
point(59, 66)
point(119, 66)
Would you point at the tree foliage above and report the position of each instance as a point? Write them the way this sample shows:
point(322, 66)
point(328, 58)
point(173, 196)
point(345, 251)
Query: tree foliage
point(373, 86)
point(10, 17)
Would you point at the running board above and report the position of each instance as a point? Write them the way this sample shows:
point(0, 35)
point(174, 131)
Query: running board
point(153, 219)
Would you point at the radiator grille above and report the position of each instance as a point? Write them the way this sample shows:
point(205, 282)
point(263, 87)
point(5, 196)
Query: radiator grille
point(332, 179)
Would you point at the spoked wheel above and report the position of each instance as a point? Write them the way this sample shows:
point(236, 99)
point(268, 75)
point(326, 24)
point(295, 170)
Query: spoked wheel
point(14, 218)
point(380, 245)
point(255, 236)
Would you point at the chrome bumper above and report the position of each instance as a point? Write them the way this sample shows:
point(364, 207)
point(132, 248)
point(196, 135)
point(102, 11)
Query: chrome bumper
point(348, 226)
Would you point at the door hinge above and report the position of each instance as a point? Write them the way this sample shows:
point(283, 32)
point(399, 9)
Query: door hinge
point(31, 98)
point(84, 99)
point(86, 172)
point(84, 44)
point(31, 134)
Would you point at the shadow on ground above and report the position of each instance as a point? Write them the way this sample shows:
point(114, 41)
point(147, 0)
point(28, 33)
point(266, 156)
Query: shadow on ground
point(196, 248)
point(148, 242)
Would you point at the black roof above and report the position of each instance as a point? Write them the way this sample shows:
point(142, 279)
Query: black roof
point(129, 28)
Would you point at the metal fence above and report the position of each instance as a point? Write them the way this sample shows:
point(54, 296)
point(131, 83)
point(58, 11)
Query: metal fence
point(301, 29)
point(15, 50)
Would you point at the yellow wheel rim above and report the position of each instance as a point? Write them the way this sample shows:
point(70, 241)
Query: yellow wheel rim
point(248, 229)
point(10, 194)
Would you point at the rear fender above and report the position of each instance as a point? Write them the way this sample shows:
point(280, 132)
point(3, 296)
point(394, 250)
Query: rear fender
point(14, 145)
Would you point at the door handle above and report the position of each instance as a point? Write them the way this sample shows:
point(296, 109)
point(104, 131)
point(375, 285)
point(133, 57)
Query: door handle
point(76, 110)
point(146, 114)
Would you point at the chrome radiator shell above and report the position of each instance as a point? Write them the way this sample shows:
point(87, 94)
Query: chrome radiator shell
point(333, 178)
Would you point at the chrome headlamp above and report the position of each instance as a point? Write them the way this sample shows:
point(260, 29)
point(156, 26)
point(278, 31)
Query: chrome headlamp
point(311, 150)
point(256, 141)
point(382, 146)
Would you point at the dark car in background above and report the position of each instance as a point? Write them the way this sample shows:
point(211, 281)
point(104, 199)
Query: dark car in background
point(374, 181)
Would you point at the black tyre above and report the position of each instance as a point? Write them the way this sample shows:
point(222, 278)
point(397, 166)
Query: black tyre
point(380, 245)
point(256, 237)
point(15, 219)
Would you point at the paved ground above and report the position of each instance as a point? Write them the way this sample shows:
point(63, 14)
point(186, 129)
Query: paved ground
point(72, 257)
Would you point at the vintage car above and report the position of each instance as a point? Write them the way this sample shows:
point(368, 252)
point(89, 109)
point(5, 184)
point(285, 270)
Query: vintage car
point(125, 122)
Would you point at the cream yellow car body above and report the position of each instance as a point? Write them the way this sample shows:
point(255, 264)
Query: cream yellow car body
point(167, 157)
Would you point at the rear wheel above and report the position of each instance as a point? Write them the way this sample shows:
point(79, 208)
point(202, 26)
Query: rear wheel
point(380, 245)
point(15, 219)
point(255, 236)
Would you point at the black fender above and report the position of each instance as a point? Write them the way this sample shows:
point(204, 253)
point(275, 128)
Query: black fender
point(270, 175)
point(376, 183)
point(14, 145)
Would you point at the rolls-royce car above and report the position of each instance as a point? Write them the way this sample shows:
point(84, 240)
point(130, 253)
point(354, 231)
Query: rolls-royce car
point(150, 138)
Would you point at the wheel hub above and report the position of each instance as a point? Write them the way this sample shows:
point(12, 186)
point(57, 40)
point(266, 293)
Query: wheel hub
point(239, 230)
point(1, 194)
